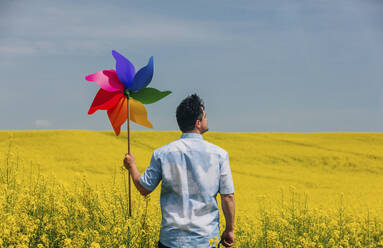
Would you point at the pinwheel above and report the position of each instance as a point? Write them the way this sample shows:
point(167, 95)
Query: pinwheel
point(123, 87)
point(123, 93)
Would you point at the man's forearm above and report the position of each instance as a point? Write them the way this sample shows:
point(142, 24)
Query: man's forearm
point(136, 180)
point(135, 174)
point(228, 208)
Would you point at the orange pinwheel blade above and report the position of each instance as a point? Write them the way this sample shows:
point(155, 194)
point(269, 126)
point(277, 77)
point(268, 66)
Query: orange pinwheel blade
point(118, 115)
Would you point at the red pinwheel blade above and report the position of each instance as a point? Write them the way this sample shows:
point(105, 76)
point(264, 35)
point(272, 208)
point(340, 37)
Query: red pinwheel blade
point(104, 100)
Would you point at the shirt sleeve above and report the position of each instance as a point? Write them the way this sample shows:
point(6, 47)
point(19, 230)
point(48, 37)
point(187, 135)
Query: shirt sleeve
point(153, 174)
point(226, 185)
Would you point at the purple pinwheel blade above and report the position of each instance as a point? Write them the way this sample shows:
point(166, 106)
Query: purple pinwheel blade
point(124, 68)
point(143, 77)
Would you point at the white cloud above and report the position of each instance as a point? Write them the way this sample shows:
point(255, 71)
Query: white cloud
point(43, 123)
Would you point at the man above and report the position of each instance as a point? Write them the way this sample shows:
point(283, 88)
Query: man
point(192, 171)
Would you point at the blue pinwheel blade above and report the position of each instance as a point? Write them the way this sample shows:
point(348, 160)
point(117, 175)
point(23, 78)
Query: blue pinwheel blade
point(143, 77)
point(124, 69)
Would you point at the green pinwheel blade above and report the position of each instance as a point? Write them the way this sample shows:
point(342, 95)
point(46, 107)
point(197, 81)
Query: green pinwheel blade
point(149, 95)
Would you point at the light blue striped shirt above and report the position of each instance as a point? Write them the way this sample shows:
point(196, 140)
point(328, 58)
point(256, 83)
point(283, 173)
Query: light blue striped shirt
point(192, 171)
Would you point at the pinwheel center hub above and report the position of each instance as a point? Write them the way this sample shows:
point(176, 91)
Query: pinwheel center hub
point(127, 93)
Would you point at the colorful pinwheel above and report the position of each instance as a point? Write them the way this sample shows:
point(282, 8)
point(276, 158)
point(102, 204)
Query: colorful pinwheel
point(122, 85)
point(123, 94)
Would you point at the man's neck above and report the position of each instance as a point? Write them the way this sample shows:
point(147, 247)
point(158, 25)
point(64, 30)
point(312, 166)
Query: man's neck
point(197, 131)
point(194, 131)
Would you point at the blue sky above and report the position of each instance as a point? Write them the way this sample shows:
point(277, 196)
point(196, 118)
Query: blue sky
point(260, 66)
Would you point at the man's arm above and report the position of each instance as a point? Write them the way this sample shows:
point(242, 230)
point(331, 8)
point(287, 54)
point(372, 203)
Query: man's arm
point(228, 208)
point(130, 164)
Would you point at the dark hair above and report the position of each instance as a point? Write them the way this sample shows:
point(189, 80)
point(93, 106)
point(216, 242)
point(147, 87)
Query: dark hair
point(189, 111)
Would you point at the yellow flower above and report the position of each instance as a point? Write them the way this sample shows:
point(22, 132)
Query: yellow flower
point(94, 245)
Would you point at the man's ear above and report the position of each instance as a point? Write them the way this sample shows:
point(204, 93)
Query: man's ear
point(197, 124)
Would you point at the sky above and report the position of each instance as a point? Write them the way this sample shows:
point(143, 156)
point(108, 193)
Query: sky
point(259, 66)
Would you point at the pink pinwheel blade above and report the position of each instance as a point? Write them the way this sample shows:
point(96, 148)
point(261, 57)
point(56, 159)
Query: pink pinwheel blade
point(107, 80)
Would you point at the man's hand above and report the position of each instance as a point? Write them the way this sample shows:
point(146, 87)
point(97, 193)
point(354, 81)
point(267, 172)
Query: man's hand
point(227, 238)
point(130, 164)
point(129, 161)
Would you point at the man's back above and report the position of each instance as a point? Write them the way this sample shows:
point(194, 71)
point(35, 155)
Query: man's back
point(192, 171)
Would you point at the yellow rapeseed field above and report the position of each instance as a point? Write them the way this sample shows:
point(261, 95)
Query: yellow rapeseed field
point(66, 188)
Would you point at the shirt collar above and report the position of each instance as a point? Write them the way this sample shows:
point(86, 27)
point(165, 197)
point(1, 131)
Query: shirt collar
point(191, 135)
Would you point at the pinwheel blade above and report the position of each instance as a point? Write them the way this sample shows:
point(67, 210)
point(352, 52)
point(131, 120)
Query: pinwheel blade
point(143, 77)
point(118, 115)
point(149, 95)
point(104, 100)
point(107, 80)
point(124, 68)
point(138, 113)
